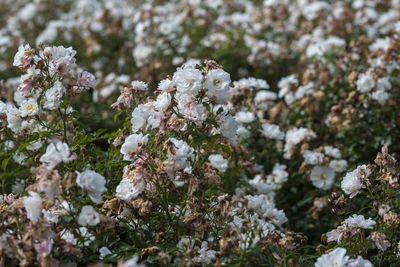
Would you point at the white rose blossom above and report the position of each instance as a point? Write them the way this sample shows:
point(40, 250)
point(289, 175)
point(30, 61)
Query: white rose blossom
point(229, 126)
point(218, 162)
point(352, 183)
point(322, 177)
point(57, 152)
point(94, 183)
point(126, 190)
point(33, 206)
point(132, 144)
point(217, 84)
point(88, 216)
point(188, 81)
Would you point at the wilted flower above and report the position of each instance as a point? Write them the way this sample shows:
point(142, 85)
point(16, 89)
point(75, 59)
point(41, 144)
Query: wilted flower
point(24, 56)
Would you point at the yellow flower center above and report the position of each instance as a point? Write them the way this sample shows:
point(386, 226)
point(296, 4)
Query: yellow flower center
point(30, 107)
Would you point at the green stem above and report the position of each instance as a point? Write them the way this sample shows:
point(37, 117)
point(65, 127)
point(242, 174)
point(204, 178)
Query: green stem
point(64, 126)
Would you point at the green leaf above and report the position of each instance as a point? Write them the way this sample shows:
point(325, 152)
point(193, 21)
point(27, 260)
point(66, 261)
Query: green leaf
point(224, 148)
point(4, 163)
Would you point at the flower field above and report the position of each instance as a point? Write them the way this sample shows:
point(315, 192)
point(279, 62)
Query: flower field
point(199, 133)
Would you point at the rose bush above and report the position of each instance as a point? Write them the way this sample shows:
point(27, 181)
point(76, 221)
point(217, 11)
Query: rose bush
point(195, 133)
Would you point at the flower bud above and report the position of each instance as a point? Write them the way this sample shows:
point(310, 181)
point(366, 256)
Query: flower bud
point(48, 51)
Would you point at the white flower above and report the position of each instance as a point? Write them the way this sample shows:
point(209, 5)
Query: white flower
point(104, 251)
point(19, 158)
point(383, 84)
point(93, 183)
point(351, 183)
point(334, 236)
point(133, 262)
point(365, 83)
point(155, 119)
point(185, 244)
point(279, 173)
point(126, 190)
point(87, 236)
point(295, 136)
point(139, 116)
point(29, 107)
point(69, 237)
point(3, 108)
point(263, 205)
point(33, 146)
point(251, 83)
point(52, 215)
point(286, 83)
point(87, 80)
point(312, 10)
point(228, 126)
point(264, 96)
point(190, 109)
point(56, 152)
point(244, 117)
point(272, 131)
point(243, 132)
point(321, 46)
point(218, 162)
point(338, 165)
point(332, 151)
point(132, 144)
point(14, 120)
point(217, 83)
point(33, 206)
point(52, 97)
point(182, 153)
point(322, 177)
point(188, 81)
point(162, 102)
point(139, 85)
point(304, 90)
point(383, 209)
point(88, 216)
point(166, 85)
point(62, 59)
point(24, 56)
point(380, 43)
point(358, 221)
point(335, 258)
point(380, 95)
point(141, 54)
point(206, 255)
point(313, 158)
point(359, 262)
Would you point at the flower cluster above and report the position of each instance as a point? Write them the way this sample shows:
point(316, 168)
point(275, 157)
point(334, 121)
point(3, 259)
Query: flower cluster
point(198, 133)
